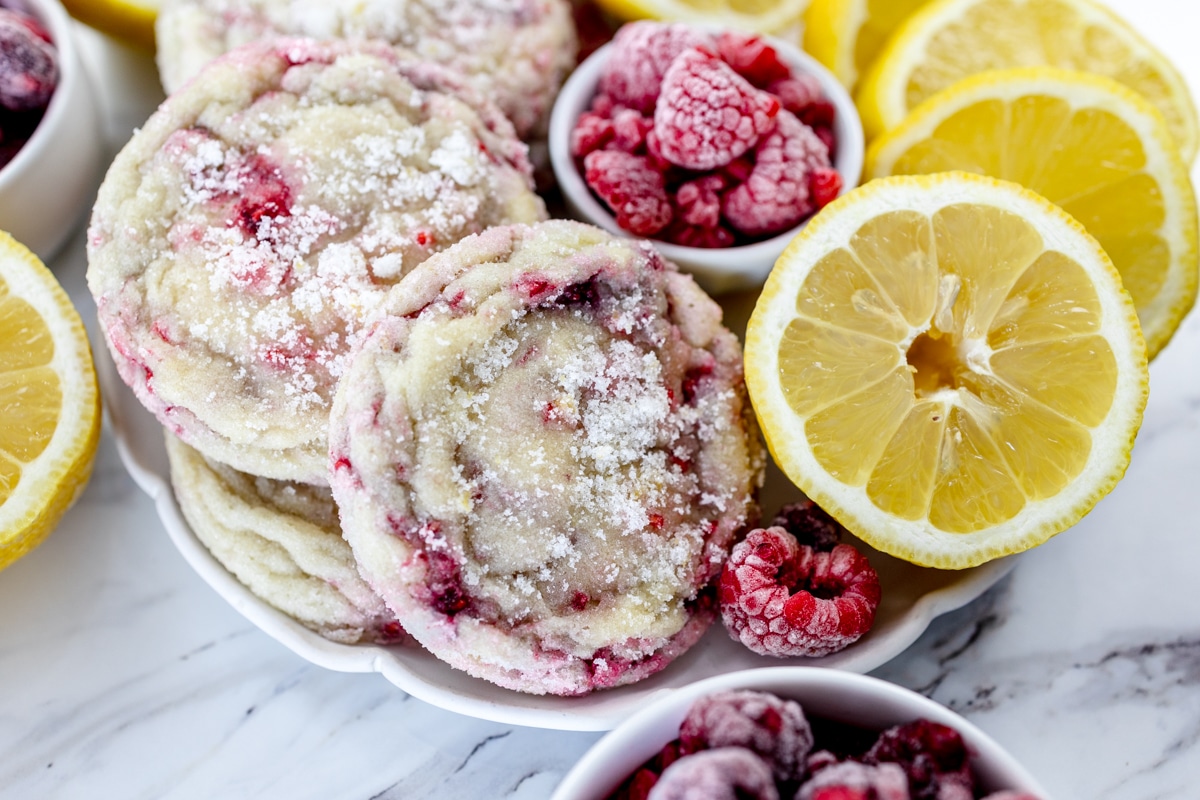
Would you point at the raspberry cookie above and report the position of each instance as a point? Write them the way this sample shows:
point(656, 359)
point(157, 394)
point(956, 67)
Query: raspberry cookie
point(283, 542)
point(542, 454)
point(516, 52)
point(243, 237)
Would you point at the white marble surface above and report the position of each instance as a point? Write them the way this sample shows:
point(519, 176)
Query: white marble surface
point(123, 675)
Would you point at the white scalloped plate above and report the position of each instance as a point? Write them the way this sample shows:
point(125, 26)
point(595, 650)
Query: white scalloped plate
point(912, 597)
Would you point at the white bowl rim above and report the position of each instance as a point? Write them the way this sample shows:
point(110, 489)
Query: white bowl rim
point(577, 93)
point(628, 738)
point(58, 24)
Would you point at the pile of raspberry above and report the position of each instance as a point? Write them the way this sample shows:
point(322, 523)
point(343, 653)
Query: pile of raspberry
point(748, 745)
point(705, 140)
point(793, 589)
point(28, 75)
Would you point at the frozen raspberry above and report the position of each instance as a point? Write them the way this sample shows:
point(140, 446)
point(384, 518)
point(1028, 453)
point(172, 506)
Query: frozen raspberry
point(639, 785)
point(707, 114)
point(932, 755)
point(824, 184)
point(777, 196)
point(773, 728)
point(630, 129)
point(728, 773)
point(632, 188)
point(819, 760)
point(698, 201)
point(28, 63)
point(827, 138)
point(818, 114)
point(699, 236)
point(752, 58)
point(850, 780)
point(592, 132)
point(797, 92)
point(833, 604)
point(641, 54)
point(810, 524)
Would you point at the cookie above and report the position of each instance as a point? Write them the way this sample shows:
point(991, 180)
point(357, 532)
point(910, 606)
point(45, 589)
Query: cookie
point(516, 52)
point(283, 542)
point(244, 236)
point(542, 452)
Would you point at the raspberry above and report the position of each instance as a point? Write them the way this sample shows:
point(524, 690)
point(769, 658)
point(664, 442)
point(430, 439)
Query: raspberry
point(630, 129)
point(850, 780)
point(707, 114)
point(698, 201)
point(836, 594)
point(810, 524)
point(592, 132)
point(727, 773)
point(697, 236)
point(641, 54)
point(28, 64)
point(932, 755)
point(632, 188)
point(797, 92)
point(776, 195)
point(824, 185)
point(818, 114)
point(773, 728)
point(752, 58)
point(827, 138)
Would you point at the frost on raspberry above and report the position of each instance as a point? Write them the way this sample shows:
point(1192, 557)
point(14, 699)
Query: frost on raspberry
point(707, 114)
point(752, 58)
point(632, 188)
point(727, 773)
point(770, 726)
point(783, 599)
point(850, 780)
point(640, 55)
point(933, 757)
point(777, 194)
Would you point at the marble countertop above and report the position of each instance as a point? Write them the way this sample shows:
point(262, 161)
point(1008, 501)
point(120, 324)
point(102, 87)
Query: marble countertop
point(122, 674)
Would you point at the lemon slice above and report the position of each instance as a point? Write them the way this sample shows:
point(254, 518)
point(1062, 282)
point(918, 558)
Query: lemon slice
point(48, 401)
point(763, 16)
point(951, 39)
point(1085, 143)
point(949, 365)
point(847, 35)
point(129, 20)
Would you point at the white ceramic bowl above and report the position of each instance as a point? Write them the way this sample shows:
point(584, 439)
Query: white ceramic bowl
point(45, 188)
point(842, 696)
point(716, 269)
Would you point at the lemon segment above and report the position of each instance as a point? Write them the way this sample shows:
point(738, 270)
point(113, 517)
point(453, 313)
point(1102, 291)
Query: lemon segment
point(763, 16)
point(128, 20)
point(948, 40)
point(48, 400)
point(950, 365)
point(1086, 143)
point(847, 35)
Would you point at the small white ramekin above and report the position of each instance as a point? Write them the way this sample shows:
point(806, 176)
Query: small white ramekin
point(44, 189)
point(833, 694)
point(716, 269)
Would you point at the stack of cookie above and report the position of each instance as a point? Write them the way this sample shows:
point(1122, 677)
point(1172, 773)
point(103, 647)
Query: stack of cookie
point(321, 263)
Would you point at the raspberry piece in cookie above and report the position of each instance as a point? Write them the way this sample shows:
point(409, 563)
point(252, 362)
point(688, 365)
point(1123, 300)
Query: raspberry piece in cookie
point(727, 773)
point(549, 453)
point(772, 727)
point(783, 599)
point(641, 54)
point(632, 188)
point(777, 194)
point(707, 114)
point(850, 780)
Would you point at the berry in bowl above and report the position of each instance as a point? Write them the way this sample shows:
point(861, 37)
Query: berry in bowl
point(716, 145)
point(797, 732)
point(49, 144)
